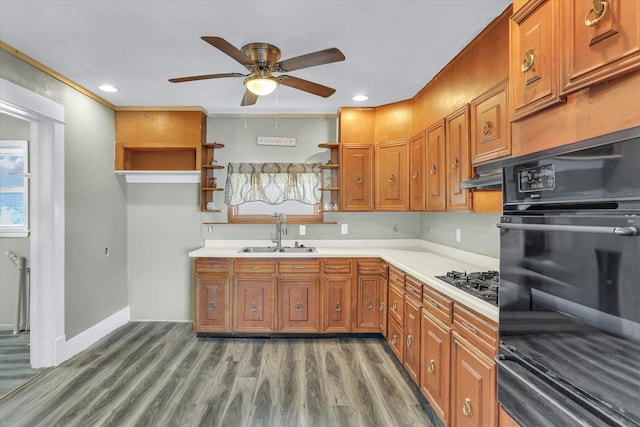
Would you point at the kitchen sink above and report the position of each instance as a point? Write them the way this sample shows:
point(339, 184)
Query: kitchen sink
point(265, 249)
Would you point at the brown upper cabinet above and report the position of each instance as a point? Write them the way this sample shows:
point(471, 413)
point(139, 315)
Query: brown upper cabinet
point(159, 140)
point(458, 159)
point(534, 58)
point(491, 128)
point(600, 41)
point(392, 176)
point(393, 122)
point(357, 181)
point(356, 125)
point(417, 182)
point(436, 172)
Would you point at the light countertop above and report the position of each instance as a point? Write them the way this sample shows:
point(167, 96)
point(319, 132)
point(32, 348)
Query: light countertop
point(421, 259)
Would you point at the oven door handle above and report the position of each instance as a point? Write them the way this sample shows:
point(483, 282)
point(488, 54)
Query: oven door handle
point(616, 231)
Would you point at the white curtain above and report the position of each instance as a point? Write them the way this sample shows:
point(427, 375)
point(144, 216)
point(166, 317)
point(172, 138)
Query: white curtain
point(272, 183)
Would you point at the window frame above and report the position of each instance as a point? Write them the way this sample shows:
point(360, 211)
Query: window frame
point(23, 229)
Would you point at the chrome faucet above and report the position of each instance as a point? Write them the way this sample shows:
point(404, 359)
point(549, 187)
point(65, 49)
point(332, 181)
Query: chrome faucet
point(281, 228)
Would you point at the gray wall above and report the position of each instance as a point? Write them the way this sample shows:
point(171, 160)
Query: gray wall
point(11, 128)
point(478, 231)
point(95, 209)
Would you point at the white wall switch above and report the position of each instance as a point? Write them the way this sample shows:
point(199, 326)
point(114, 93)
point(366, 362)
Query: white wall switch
point(302, 230)
point(458, 235)
point(344, 229)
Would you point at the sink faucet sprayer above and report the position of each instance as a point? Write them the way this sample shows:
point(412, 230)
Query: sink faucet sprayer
point(281, 228)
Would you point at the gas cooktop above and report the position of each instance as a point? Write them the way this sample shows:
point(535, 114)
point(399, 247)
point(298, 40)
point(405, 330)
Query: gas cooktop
point(483, 285)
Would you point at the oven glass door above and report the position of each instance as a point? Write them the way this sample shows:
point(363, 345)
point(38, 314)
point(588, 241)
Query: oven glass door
point(570, 307)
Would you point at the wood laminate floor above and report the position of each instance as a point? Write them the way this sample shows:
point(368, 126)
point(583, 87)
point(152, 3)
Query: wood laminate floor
point(159, 374)
point(15, 366)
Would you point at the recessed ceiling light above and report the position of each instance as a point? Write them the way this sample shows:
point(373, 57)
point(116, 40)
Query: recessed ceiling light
point(360, 98)
point(108, 88)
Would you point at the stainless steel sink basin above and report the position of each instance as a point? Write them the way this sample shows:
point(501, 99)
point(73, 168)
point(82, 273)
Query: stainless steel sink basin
point(265, 249)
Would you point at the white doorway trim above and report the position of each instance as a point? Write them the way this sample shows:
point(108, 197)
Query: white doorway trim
point(47, 245)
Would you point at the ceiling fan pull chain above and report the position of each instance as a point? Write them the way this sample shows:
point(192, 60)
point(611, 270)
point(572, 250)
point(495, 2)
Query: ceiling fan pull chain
point(277, 107)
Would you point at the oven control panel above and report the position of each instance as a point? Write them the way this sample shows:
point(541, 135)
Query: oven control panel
point(539, 178)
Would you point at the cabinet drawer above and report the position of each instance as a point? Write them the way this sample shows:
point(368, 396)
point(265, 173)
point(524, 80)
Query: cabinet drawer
point(396, 304)
point(476, 329)
point(437, 304)
point(336, 266)
point(299, 266)
point(395, 338)
point(212, 265)
point(413, 289)
point(396, 277)
point(369, 267)
point(254, 266)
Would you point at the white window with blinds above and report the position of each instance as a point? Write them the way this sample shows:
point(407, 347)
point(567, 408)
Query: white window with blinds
point(14, 188)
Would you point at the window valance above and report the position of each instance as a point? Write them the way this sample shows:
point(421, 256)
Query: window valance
point(272, 183)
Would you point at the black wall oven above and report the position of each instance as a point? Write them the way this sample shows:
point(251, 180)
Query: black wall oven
point(570, 285)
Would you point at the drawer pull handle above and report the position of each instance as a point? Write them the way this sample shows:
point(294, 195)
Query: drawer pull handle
point(381, 306)
point(254, 306)
point(466, 407)
point(394, 277)
point(298, 307)
point(527, 63)
point(338, 307)
point(358, 179)
point(409, 341)
point(254, 267)
point(432, 170)
point(337, 267)
point(394, 340)
point(486, 130)
point(211, 306)
point(411, 289)
point(394, 307)
point(599, 9)
point(433, 303)
point(431, 367)
point(299, 267)
point(470, 328)
point(369, 304)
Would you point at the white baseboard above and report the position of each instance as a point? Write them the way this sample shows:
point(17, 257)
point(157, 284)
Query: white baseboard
point(85, 339)
point(6, 326)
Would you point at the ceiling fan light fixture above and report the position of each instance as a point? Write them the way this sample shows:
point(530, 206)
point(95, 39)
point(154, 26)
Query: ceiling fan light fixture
point(261, 84)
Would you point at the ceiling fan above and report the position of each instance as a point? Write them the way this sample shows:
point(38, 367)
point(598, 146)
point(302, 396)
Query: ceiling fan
point(263, 59)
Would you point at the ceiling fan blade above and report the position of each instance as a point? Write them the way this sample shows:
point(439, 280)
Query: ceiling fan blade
point(205, 77)
point(229, 49)
point(320, 57)
point(307, 86)
point(249, 98)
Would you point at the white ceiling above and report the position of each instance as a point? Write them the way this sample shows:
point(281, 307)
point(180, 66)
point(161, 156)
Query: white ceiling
point(392, 48)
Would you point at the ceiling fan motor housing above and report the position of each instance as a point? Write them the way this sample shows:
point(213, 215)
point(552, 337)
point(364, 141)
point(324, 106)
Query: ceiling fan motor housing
point(263, 54)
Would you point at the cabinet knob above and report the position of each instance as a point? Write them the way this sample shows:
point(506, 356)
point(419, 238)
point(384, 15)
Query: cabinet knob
point(338, 307)
point(211, 306)
point(599, 10)
point(527, 63)
point(358, 179)
point(415, 174)
point(394, 307)
point(409, 341)
point(298, 307)
point(381, 306)
point(432, 170)
point(466, 407)
point(254, 306)
point(486, 130)
point(394, 340)
point(454, 163)
point(369, 304)
point(392, 178)
point(431, 367)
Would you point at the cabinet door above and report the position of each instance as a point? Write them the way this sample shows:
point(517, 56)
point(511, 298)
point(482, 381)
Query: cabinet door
point(473, 392)
point(533, 58)
point(600, 47)
point(367, 304)
point(383, 296)
point(254, 304)
point(435, 364)
point(396, 306)
point(392, 183)
point(299, 302)
point(458, 159)
point(211, 307)
point(356, 167)
point(436, 174)
point(395, 339)
point(337, 303)
point(412, 339)
point(491, 130)
point(417, 159)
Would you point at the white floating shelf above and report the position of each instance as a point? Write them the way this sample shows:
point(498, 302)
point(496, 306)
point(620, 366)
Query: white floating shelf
point(160, 177)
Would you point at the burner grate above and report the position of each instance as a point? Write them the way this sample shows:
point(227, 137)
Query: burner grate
point(483, 284)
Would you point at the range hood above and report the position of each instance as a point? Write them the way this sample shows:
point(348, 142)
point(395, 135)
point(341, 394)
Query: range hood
point(487, 177)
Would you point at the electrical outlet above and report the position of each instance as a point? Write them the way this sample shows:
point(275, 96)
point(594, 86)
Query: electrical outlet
point(458, 235)
point(210, 229)
point(106, 251)
point(344, 229)
point(302, 230)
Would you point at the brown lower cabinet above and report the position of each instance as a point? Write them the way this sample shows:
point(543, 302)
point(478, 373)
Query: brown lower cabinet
point(435, 363)
point(412, 338)
point(299, 304)
point(337, 299)
point(254, 304)
point(366, 299)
